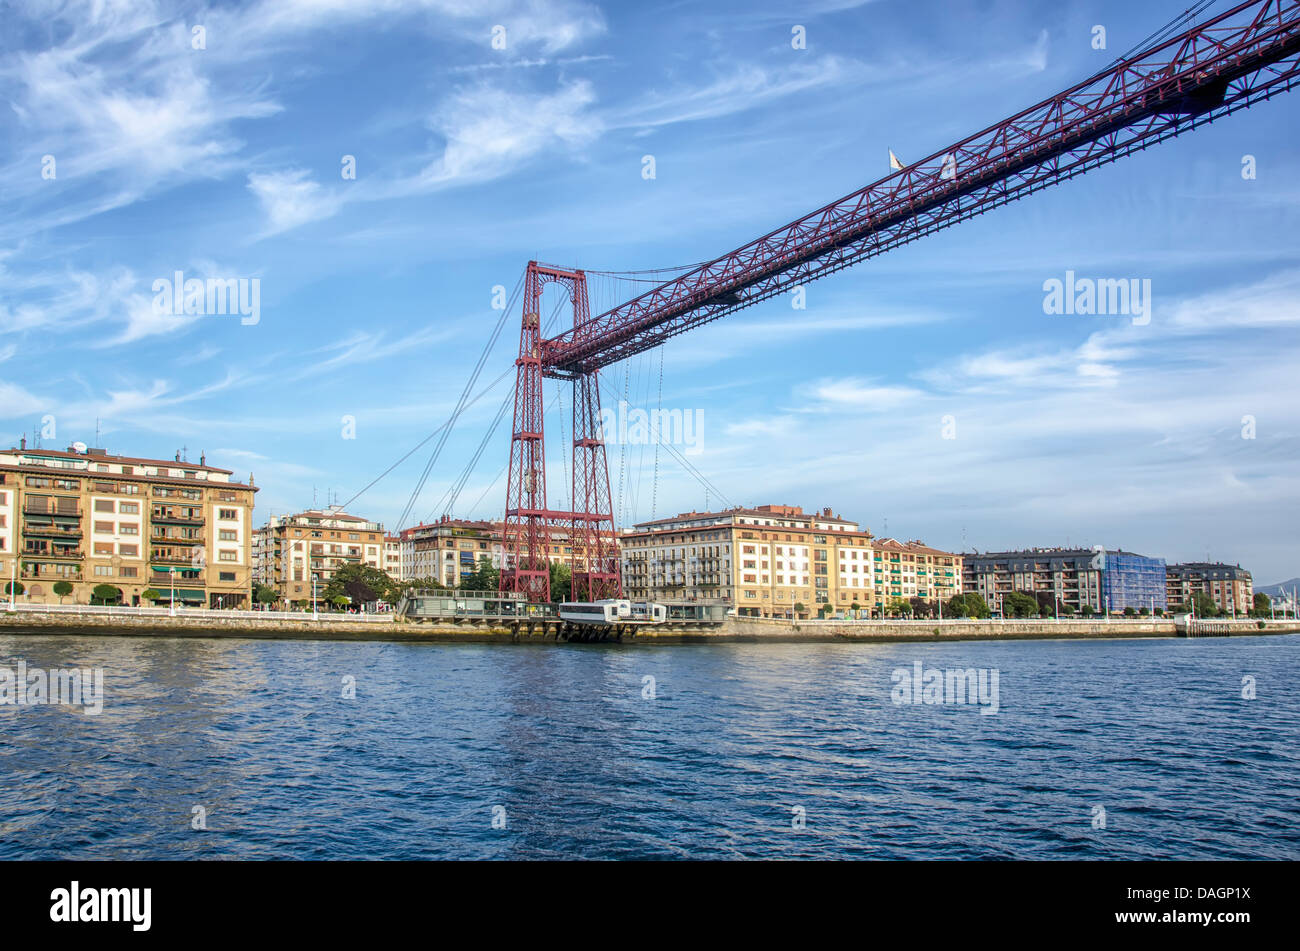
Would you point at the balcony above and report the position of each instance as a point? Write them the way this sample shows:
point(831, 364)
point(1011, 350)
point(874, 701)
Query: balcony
point(62, 531)
point(160, 516)
point(160, 539)
point(171, 557)
point(42, 507)
point(55, 554)
point(48, 573)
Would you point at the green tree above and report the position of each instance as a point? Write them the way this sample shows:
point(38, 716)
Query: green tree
point(265, 594)
point(1067, 609)
point(362, 584)
point(1130, 611)
point(1088, 610)
point(970, 604)
point(1263, 606)
point(800, 609)
point(151, 595)
point(561, 582)
point(62, 589)
point(105, 594)
point(1019, 604)
point(484, 577)
point(14, 587)
point(1204, 605)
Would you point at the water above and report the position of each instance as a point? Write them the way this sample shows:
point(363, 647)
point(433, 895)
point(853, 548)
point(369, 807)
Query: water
point(1155, 732)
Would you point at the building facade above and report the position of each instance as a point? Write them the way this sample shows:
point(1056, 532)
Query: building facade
point(449, 549)
point(295, 550)
point(89, 518)
point(1229, 586)
point(1075, 577)
point(778, 561)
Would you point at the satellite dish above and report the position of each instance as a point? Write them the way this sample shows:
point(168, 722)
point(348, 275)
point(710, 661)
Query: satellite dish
point(79, 447)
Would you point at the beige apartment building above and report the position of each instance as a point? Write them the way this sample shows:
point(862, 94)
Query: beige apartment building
point(1229, 586)
point(87, 517)
point(292, 551)
point(449, 549)
point(767, 561)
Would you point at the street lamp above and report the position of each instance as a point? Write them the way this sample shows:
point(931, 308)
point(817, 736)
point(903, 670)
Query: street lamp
point(315, 615)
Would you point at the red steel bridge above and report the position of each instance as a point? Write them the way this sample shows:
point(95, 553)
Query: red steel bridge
point(1230, 61)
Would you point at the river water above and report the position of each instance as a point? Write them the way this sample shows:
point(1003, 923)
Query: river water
point(1116, 749)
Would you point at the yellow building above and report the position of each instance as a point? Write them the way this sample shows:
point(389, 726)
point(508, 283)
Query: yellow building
point(778, 561)
point(89, 518)
point(293, 550)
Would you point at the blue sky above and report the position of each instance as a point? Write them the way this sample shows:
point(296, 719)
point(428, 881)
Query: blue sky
point(376, 292)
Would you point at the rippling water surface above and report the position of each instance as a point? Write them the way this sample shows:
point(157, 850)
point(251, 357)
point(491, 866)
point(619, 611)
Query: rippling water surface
point(736, 740)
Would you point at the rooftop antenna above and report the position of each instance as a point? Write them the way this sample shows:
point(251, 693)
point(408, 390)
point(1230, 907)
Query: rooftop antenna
point(97, 446)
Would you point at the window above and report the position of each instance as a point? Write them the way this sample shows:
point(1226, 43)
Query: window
point(104, 528)
point(129, 528)
point(226, 535)
point(226, 575)
point(226, 554)
point(103, 505)
point(103, 548)
point(129, 551)
point(129, 508)
point(103, 571)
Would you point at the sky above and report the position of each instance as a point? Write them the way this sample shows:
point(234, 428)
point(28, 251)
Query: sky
point(383, 170)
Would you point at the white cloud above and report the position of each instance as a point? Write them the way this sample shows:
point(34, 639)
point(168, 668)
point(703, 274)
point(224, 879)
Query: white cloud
point(290, 198)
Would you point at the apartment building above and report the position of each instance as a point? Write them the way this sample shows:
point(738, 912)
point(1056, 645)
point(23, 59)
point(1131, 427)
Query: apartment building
point(294, 550)
point(393, 557)
point(88, 517)
point(767, 560)
point(912, 569)
point(1075, 577)
point(1229, 586)
point(449, 549)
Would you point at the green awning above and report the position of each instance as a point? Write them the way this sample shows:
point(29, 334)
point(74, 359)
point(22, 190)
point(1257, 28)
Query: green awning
point(185, 594)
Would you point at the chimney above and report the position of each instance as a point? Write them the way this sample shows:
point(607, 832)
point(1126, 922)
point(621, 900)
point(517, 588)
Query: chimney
point(203, 458)
point(22, 443)
point(178, 455)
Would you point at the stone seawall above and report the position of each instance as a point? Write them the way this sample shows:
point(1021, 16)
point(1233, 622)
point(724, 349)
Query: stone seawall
point(734, 630)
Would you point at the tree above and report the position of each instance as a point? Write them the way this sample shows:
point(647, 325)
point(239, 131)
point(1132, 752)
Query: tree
point(1204, 605)
point(339, 601)
point(62, 589)
point(1019, 604)
point(1263, 605)
point(1067, 609)
point(561, 581)
point(1088, 610)
point(14, 587)
point(799, 608)
point(484, 577)
point(1130, 611)
point(1145, 612)
point(897, 606)
point(362, 584)
point(265, 594)
point(105, 594)
point(971, 604)
point(150, 595)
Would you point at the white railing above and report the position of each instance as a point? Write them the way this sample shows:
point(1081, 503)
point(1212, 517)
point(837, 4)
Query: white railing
point(114, 610)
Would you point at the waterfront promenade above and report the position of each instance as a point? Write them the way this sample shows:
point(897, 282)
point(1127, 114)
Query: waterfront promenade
point(114, 621)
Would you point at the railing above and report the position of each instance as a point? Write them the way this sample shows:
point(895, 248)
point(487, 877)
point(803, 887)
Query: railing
point(29, 529)
point(117, 610)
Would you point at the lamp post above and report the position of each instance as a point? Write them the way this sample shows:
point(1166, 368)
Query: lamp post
point(13, 580)
point(171, 605)
point(315, 614)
